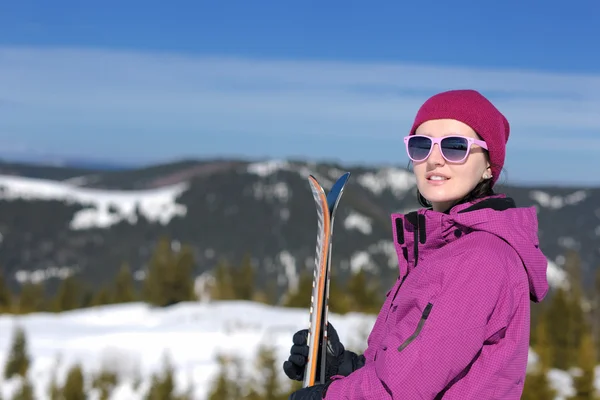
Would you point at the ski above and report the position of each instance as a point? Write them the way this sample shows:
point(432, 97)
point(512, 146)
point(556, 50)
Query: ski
point(317, 330)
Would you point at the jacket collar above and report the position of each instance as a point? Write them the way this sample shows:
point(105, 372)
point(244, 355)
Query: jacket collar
point(420, 232)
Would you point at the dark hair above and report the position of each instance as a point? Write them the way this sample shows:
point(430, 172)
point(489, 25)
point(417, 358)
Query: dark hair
point(483, 189)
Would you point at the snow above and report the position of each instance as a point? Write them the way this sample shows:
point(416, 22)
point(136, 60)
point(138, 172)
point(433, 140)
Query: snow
point(266, 168)
point(134, 338)
point(387, 248)
point(399, 181)
point(335, 173)
point(557, 277)
point(279, 191)
point(360, 261)
point(104, 208)
point(326, 183)
point(555, 202)
point(80, 180)
point(289, 268)
point(41, 275)
point(284, 214)
point(359, 222)
point(568, 242)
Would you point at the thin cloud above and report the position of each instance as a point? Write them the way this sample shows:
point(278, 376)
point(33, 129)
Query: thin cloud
point(562, 143)
point(67, 88)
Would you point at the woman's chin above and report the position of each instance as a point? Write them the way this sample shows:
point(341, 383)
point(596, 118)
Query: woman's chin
point(439, 194)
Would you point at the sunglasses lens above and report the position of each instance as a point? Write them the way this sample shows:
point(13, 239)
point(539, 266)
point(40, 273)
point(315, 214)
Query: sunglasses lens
point(454, 148)
point(418, 147)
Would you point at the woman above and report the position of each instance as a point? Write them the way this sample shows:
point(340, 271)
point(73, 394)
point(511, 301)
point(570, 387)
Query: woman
point(456, 323)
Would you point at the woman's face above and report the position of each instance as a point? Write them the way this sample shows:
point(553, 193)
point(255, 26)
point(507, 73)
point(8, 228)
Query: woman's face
point(458, 179)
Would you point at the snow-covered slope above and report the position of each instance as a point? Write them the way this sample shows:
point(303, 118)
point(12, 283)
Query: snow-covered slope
point(103, 208)
point(134, 337)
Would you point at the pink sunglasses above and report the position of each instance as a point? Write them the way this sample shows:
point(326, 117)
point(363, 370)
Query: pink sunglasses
point(454, 149)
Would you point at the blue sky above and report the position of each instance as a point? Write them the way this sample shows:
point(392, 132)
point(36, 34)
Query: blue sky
point(139, 82)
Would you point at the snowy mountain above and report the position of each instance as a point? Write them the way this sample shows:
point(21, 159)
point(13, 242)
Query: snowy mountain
point(58, 220)
point(132, 340)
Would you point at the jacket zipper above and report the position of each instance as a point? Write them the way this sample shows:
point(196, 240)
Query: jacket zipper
point(417, 331)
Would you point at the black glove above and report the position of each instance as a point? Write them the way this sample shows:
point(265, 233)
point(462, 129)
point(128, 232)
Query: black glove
point(339, 360)
point(316, 392)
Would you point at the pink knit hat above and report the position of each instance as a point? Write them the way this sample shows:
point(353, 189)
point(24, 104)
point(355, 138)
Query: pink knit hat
point(473, 109)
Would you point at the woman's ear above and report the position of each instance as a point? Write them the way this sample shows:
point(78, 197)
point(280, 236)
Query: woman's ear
point(487, 174)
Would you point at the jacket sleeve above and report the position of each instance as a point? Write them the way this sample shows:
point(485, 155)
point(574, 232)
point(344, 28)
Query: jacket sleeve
point(475, 303)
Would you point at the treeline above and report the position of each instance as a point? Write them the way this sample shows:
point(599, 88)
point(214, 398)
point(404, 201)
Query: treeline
point(170, 277)
point(565, 328)
point(79, 385)
point(358, 293)
point(565, 334)
point(232, 383)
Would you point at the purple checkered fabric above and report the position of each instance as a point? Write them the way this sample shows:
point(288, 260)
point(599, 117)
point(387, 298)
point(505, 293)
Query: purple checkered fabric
point(455, 325)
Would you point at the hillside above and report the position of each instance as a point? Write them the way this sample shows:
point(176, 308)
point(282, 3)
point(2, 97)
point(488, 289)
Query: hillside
point(56, 221)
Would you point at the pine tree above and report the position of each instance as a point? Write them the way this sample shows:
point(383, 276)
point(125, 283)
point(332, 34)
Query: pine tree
point(268, 381)
point(268, 295)
point(25, 391)
point(124, 291)
point(88, 296)
point(339, 300)
point(223, 288)
point(74, 387)
point(300, 296)
point(243, 283)
point(560, 339)
point(596, 312)
point(101, 297)
point(54, 391)
point(5, 296)
point(266, 385)
point(170, 277)
point(364, 295)
point(537, 309)
point(577, 320)
point(154, 282)
point(537, 385)
point(181, 287)
point(228, 384)
point(237, 366)
point(572, 267)
point(18, 359)
point(222, 386)
point(543, 346)
point(68, 296)
point(163, 384)
point(586, 360)
point(32, 298)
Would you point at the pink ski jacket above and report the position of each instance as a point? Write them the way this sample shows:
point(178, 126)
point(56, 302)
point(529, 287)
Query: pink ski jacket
point(456, 323)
